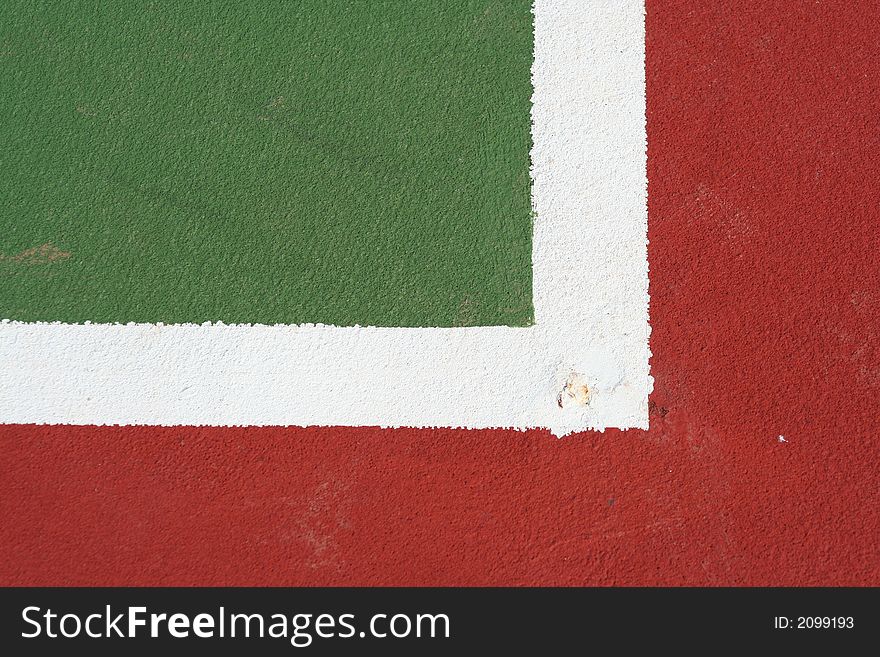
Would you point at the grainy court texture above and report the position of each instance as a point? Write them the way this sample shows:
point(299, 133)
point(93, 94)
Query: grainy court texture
point(447, 205)
point(270, 162)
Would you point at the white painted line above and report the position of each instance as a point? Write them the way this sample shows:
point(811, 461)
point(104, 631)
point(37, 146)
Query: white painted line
point(584, 365)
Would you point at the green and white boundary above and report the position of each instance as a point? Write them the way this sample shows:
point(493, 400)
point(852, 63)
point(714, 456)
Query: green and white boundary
point(583, 365)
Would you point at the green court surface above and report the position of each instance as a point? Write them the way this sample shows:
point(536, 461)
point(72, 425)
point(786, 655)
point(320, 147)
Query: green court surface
point(356, 162)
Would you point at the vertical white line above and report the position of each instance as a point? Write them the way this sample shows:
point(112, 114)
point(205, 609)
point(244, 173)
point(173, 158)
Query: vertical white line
point(590, 198)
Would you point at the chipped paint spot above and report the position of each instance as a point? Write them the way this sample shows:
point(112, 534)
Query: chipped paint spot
point(575, 392)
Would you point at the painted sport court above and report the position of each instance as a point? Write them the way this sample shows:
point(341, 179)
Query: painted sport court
point(763, 231)
point(429, 214)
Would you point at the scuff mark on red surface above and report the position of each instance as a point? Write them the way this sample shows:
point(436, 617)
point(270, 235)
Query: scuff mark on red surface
point(764, 231)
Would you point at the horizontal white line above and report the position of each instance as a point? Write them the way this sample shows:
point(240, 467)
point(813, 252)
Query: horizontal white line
point(294, 375)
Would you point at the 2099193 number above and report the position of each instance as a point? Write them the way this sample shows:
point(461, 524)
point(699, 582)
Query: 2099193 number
point(824, 622)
